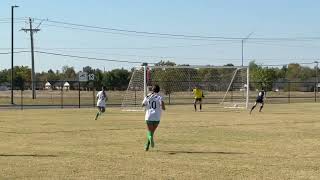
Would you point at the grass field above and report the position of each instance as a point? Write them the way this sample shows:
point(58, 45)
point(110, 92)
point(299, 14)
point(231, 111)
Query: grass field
point(283, 142)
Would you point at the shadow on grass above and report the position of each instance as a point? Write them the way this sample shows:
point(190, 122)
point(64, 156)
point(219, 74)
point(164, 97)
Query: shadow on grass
point(268, 123)
point(72, 131)
point(26, 155)
point(202, 152)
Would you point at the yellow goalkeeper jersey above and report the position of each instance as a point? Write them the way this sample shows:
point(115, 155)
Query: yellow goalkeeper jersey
point(197, 93)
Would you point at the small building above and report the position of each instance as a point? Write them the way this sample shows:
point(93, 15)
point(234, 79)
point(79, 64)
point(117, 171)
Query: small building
point(66, 86)
point(5, 87)
point(47, 86)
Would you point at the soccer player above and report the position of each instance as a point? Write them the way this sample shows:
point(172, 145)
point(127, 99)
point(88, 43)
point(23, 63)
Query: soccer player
point(198, 95)
point(101, 102)
point(154, 105)
point(260, 99)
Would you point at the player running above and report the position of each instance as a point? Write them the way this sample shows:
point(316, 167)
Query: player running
point(198, 95)
point(101, 102)
point(154, 105)
point(260, 99)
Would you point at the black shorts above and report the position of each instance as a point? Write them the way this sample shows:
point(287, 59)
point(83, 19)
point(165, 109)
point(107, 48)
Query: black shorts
point(259, 100)
point(198, 99)
point(102, 109)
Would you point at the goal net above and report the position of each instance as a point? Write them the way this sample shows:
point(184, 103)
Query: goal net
point(223, 86)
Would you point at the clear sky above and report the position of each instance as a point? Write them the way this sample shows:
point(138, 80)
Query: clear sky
point(224, 18)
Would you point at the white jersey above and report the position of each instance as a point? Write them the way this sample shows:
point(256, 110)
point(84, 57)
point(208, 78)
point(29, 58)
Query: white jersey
point(101, 99)
point(153, 104)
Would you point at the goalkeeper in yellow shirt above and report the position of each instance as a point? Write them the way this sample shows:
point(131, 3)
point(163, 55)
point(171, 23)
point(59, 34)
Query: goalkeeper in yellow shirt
point(198, 95)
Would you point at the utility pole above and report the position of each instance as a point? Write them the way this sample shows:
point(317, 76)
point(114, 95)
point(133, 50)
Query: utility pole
point(12, 30)
point(317, 82)
point(242, 52)
point(242, 41)
point(32, 56)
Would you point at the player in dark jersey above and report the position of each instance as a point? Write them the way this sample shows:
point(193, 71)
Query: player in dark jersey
point(259, 99)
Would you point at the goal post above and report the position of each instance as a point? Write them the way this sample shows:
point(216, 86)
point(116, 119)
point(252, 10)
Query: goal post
point(225, 86)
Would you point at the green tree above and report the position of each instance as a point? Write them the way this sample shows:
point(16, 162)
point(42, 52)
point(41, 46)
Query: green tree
point(117, 79)
point(262, 77)
point(22, 74)
point(293, 71)
point(98, 79)
point(69, 73)
point(165, 63)
point(88, 69)
point(4, 76)
point(52, 76)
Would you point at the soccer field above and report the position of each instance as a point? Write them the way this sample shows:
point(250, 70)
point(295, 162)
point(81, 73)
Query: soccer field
point(282, 142)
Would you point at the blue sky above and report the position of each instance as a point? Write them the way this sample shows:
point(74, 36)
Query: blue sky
point(233, 18)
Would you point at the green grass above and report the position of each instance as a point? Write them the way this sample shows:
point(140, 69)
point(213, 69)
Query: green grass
point(282, 142)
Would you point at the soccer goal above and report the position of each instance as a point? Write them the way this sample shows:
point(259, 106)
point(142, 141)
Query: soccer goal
point(224, 86)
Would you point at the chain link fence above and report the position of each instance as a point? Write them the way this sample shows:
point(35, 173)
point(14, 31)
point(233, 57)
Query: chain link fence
point(62, 94)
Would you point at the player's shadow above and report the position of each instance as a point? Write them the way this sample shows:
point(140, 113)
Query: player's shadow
point(70, 131)
point(27, 155)
point(202, 152)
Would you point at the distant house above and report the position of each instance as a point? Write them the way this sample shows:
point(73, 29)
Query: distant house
point(5, 86)
point(307, 85)
point(47, 86)
point(310, 84)
point(66, 86)
point(280, 85)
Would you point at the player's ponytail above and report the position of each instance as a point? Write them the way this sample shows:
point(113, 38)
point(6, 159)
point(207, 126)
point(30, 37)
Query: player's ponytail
point(155, 88)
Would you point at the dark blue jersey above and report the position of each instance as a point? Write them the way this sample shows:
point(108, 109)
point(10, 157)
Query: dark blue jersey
point(261, 95)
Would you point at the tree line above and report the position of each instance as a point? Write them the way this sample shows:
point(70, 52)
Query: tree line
point(118, 79)
point(291, 77)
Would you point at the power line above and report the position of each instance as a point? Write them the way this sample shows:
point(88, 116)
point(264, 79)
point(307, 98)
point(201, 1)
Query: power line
point(113, 60)
point(85, 57)
point(16, 52)
point(16, 22)
point(142, 32)
point(125, 48)
point(138, 35)
point(18, 18)
point(144, 56)
point(283, 45)
point(166, 57)
point(184, 36)
point(10, 48)
point(298, 39)
point(156, 34)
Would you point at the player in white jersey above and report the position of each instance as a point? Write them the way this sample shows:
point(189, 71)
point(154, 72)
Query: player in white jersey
point(154, 105)
point(101, 102)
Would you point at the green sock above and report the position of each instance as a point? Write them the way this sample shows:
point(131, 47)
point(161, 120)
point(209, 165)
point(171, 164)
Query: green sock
point(149, 135)
point(97, 115)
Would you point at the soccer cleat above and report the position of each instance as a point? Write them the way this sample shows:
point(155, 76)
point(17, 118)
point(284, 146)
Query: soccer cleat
point(146, 146)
